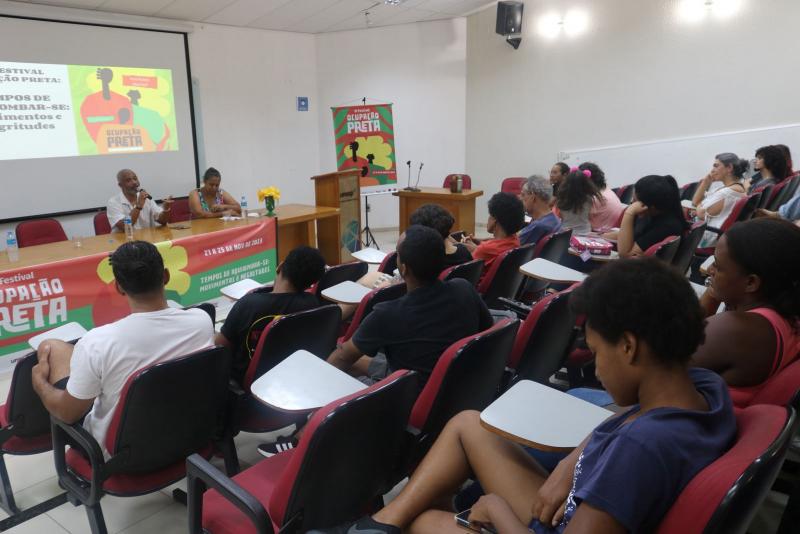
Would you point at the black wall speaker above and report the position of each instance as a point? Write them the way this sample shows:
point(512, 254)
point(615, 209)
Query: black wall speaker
point(509, 18)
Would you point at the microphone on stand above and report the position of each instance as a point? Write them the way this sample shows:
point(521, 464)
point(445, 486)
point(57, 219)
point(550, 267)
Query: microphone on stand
point(409, 188)
point(419, 172)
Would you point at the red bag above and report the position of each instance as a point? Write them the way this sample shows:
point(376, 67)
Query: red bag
point(595, 245)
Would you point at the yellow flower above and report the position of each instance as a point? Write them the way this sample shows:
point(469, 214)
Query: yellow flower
point(270, 191)
point(175, 259)
point(374, 145)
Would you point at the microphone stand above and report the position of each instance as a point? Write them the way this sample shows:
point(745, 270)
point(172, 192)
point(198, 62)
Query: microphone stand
point(416, 188)
point(409, 188)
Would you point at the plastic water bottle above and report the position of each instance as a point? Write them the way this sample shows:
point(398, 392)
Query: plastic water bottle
point(128, 228)
point(11, 246)
point(243, 204)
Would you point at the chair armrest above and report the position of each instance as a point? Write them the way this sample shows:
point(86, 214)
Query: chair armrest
point(85, 441)
point(201, 475)
point(519, 308)
point(714, 230)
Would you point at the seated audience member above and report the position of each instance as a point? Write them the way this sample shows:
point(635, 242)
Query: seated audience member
point(252, 313)
point(655, 215)
point(210, 201)
point(136, 202)
point(413, 331)
point(772, 168)
point(789, 211)
point(536, 196)
point(756, 273)
point(438, 218)
point(714, 208)
point(95, 370)
point(558, 173)
point(606, 210)
point(575, 199)
point(626, 474)
point(506, 218)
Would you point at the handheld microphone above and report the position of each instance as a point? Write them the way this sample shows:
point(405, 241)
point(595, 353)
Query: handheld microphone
point(148, 196)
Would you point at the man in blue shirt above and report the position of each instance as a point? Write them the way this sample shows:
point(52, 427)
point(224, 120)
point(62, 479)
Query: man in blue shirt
point(789, 211)
point(536, 195)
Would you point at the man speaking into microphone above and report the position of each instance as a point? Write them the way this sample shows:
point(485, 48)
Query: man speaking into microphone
point(136, 202)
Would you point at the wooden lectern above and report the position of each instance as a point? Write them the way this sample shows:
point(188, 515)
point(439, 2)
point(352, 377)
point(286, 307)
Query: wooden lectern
point(337, 238)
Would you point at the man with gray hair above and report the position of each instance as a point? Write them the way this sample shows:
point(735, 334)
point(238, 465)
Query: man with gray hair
point(536, 195)
point(134, 201)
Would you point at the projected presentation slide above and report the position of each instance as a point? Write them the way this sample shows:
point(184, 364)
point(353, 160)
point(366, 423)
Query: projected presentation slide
point(49, 111)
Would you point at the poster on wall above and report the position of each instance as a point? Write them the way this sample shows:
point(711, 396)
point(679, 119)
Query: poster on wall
point(364, 138)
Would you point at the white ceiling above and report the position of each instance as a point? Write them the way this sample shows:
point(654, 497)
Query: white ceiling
point(306, 16)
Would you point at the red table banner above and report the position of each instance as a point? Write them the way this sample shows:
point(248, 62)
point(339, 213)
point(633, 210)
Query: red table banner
point(42, 297)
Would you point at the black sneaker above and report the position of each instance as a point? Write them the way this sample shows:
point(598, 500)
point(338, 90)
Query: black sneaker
point(282, 445)
point(365, 525)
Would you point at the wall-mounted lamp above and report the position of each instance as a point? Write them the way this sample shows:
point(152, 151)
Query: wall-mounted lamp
point(697, 10)
point(573, 23)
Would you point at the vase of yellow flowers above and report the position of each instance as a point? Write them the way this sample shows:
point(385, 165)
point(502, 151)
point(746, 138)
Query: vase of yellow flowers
point(269, 195)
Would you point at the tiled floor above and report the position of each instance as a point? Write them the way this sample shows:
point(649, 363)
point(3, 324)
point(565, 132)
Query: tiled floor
point(33, 479)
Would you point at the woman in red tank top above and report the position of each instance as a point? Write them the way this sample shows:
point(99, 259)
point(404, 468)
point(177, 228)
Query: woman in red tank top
point(756, 273)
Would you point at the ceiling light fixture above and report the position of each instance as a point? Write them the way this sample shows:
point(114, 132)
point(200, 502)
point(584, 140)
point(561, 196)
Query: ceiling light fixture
point(393, 2)
point(574, 23)
point(694, 11)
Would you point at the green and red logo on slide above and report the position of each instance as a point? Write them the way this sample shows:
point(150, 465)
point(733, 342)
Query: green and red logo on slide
point(123, 109)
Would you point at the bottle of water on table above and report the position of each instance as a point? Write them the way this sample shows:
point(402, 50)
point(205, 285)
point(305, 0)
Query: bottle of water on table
point(11, 246)
point(243, 204)
point(128, 228)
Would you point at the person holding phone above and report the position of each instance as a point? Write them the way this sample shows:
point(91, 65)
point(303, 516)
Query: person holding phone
point(626, 474)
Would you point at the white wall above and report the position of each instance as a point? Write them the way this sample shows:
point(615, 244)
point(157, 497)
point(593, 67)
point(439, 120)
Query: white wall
point(421, 69)
point(637, 74)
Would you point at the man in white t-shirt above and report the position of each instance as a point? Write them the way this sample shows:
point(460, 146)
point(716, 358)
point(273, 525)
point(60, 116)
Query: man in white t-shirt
point(134, 201)
point(96, 368)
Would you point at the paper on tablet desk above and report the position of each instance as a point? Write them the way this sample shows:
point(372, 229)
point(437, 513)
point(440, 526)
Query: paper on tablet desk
point(66, 332)
point(369, 255)
point(240, 288)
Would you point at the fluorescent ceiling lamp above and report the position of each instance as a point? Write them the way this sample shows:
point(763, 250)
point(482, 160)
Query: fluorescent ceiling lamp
point(692, 10)
point(726, 8)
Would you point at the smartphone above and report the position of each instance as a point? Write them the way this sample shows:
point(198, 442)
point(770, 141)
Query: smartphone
point(458, 236)
point(462, 520)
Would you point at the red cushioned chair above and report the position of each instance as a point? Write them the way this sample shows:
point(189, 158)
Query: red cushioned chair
point(551, 247)
point(312, 330)
point(766, 195)
point(466, 181)
point(683, 256)
point(618, 222)
point(470, 271)
point(25, 426)
point(342, 464)
point(687, 191)
point(101, 224)
point(626, 193)
point(783, 192)
point(39, 232)
point(367, 304)
point(513, 185)
point(542, 344)
point(180, 210)
point(665, 249)
point(724, 497)
point(742, 211)
point(780, 389)
point(466, 377)
point(166, 412)
point(389, 263)
point(504, 279)
point(337, 274)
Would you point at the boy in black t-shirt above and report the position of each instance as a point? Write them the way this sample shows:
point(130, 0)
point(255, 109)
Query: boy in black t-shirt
point(252, 313)
point(414, 331)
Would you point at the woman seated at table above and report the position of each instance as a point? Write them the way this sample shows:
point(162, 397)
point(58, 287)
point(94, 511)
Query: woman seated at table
point(607, 209)
point(506, 218)
point(756, 273)
point(628, 471)
point(575, 199)
point(655, 215)
point(728, 170)
point(210, 201)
